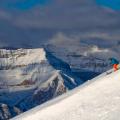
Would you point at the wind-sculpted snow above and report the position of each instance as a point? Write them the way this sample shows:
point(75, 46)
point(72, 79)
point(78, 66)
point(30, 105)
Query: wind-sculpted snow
point(30, 77)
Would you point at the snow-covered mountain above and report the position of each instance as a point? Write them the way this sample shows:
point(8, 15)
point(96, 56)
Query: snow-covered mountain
point(85, 57)
point(97, 99)
point(30, 77)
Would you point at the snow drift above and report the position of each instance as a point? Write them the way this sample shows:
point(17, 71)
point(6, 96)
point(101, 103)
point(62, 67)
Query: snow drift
point(98, 99)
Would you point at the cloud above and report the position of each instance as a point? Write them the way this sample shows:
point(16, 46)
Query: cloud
point(81, 18)
point(62, 39)
point(103, 40)
point(69, 15)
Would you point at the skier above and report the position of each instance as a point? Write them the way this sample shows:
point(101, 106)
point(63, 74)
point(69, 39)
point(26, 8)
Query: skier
point(115, 63)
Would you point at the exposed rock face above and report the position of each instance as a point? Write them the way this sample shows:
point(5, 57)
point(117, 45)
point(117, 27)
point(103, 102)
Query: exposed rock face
point(30, 77)
point(7, 112)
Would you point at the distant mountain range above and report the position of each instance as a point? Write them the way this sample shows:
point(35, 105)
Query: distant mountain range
point(30, 77)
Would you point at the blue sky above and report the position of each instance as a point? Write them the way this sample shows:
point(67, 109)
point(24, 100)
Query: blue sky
point(28, 4)
point(114, 4)
point(23, 4)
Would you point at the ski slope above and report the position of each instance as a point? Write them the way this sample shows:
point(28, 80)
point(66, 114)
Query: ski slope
point(98, 99)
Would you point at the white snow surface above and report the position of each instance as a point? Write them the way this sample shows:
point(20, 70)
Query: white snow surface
point(98, 99)
point(26, 56)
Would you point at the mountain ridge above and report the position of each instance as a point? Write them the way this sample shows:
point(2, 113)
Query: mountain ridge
point(29, 77)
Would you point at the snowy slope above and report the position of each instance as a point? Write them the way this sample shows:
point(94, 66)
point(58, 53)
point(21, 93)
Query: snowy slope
point(98, 99)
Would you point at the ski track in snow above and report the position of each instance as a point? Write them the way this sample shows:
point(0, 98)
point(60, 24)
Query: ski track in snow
point(98, 99)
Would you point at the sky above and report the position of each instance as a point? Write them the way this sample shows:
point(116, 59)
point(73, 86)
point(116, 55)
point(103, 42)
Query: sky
point(29, 4)
point(113, 4)
point(35, 22)
point(23, 4)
